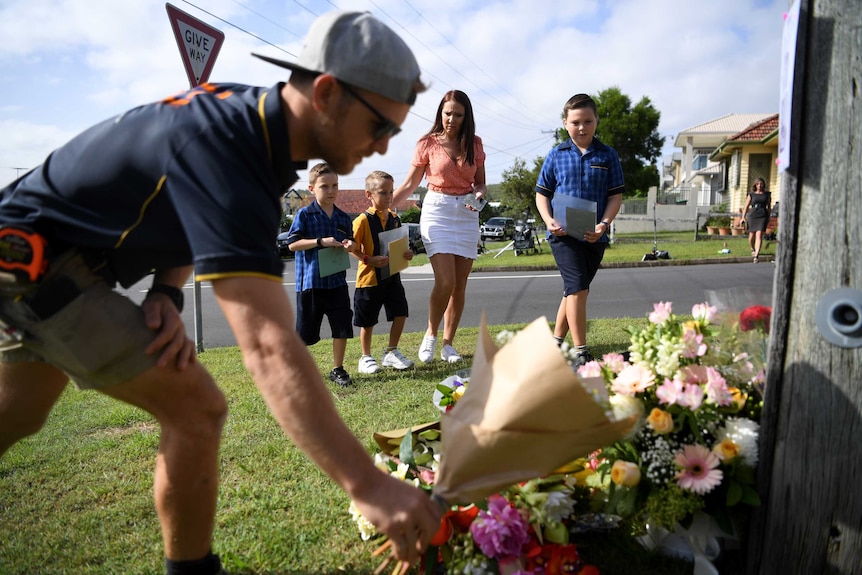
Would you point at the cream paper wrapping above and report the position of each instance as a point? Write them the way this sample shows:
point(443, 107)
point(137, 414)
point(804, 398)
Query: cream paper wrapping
point(524, 415)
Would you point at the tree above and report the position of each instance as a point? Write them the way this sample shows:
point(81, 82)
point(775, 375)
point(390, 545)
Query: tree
point(518, 189)
point(633, 133)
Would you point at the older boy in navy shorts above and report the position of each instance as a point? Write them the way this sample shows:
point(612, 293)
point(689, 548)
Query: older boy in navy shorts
point(582, 167)
point(322, 225)
point(373, 291)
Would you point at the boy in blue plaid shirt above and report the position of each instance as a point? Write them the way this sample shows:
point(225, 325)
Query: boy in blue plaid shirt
point(582, 167)
point(322, 225)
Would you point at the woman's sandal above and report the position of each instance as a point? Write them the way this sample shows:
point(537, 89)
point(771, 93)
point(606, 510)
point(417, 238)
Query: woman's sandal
point(755, 259)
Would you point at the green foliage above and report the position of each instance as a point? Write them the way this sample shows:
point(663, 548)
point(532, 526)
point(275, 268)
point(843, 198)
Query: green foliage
point(633, 132)
point(518, 189)
point(671, 504)
point(718, 221)
point(411, 216)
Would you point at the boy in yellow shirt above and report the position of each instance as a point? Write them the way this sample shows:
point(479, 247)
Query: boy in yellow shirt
point(372, 291)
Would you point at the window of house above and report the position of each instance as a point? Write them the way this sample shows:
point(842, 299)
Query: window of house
point(699, 162)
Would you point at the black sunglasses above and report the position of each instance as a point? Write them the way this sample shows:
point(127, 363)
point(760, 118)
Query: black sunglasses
point(385, 127)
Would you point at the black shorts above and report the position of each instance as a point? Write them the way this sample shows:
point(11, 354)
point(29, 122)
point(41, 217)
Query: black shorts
point(389, 295)
point(313, 304)
point(577, 261)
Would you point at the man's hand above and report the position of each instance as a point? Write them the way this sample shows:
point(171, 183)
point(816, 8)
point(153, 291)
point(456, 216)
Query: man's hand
point(163, 317)
point(405, 514)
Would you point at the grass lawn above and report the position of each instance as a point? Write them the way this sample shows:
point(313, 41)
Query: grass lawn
point(76, 498)
point(628, 248)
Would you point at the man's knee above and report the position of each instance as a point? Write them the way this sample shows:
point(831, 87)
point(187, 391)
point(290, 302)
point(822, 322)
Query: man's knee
point(207, 409)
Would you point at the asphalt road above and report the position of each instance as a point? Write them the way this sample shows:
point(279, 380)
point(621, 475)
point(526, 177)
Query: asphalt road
point(520, 297)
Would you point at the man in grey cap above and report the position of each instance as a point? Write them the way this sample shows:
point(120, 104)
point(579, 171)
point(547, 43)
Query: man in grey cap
point(192, 184)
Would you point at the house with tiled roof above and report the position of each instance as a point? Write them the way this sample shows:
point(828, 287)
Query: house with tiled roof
point(691, 175)
point(354, 202)
point(747, 155)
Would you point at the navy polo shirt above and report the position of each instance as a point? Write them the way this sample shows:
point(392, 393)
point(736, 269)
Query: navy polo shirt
point(595, 175)
point(195, 178)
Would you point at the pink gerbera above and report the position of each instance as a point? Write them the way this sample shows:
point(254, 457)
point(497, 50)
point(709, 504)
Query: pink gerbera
point(698, 473)
point(632, 380)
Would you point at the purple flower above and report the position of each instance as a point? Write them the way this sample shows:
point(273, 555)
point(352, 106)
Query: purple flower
point(501, 531)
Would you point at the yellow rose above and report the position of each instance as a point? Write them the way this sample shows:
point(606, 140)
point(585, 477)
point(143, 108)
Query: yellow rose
point(458, 392)
point(739, 399)
point(660, 421)
point(625, 473)
point(726, 450)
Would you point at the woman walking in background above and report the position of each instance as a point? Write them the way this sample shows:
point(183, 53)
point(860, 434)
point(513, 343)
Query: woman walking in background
point(450, 156)
point(757, 207)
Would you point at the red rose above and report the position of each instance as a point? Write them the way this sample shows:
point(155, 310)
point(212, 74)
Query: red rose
point(755, 317)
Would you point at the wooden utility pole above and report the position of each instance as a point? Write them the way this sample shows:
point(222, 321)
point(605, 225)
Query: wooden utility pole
point(810, 476)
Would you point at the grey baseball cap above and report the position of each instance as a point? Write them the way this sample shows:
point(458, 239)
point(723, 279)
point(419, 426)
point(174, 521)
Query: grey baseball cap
point(360, 50)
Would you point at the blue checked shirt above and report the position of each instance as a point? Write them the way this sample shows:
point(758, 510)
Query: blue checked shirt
point(312, 222)
point(594, 176)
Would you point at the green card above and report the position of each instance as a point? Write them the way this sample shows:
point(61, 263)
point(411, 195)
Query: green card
point(332, 260)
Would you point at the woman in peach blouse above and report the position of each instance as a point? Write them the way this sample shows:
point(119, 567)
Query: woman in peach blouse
point(450, 156)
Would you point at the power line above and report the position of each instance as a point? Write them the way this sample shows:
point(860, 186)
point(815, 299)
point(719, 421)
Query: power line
point(461, 74)
point(466, 57)
point(271, 21)
point(231, 24)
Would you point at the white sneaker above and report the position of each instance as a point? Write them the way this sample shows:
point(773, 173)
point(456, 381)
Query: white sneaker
point(396, 359)
point(426, 350)
point(449, 354)
point(368, 365)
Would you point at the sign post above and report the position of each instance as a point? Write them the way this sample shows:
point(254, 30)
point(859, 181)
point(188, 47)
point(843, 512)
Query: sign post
point(199, 45)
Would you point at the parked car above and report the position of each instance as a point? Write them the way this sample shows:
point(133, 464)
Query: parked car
point(498, 228)
point(414, 239)
point(281, 245)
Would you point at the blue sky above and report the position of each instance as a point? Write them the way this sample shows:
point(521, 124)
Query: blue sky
point(66, 64)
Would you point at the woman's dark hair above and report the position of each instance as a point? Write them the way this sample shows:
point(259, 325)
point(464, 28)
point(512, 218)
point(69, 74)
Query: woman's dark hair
point(754, 185)
point(468, 128)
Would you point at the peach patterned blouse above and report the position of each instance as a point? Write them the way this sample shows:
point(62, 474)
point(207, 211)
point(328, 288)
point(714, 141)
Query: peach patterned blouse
point(442, 173)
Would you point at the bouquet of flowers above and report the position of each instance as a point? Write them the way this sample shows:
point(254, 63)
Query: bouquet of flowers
point(525, 414)
point(697, 385)
point(667, 432)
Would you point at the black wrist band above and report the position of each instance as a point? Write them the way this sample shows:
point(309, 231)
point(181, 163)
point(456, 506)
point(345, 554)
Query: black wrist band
point(175, 293)
point(320, 242)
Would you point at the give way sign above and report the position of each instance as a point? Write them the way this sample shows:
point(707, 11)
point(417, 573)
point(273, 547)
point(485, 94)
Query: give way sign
point(198, 42)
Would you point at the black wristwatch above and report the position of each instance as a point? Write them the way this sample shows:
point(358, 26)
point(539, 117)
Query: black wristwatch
point(175, 293)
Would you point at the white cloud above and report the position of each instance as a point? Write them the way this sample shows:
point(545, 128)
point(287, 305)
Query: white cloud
point(68, 64)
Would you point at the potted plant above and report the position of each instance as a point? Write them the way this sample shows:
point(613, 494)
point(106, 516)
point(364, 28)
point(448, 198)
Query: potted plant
point(717, 223)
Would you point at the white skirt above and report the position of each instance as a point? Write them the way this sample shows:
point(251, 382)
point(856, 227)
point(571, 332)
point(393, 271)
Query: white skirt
point(448, 226)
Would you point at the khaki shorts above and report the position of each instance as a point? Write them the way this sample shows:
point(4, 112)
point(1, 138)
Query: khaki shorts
point(92, 333)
